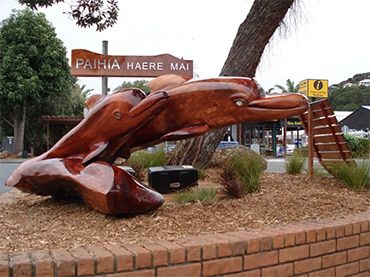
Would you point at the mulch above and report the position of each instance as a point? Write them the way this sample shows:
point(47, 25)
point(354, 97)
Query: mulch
point(34, 222)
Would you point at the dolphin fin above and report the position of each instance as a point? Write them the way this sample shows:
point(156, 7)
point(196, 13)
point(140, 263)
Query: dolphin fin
point(92, 100)
point(187, 132)
point(100, 147)
point(165, 82)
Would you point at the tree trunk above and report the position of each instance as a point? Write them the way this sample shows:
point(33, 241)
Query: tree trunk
point(19, 127)
point(244, 56)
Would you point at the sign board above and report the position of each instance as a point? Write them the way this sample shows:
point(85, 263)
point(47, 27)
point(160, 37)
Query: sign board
point(294, 123)
point(89, 64)
point(314, 87)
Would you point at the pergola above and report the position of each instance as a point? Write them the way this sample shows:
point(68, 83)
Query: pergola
point(50, 120)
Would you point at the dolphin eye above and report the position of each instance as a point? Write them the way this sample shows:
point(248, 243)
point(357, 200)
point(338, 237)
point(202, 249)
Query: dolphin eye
point(239, 102)
point(117, 115)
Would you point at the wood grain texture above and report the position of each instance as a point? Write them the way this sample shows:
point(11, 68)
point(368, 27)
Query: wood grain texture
point(81, 163)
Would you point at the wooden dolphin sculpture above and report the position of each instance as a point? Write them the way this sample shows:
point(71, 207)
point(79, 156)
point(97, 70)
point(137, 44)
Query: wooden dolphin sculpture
point(66, 170)
point(104, 187)
point(196, 107)
point(80, 163)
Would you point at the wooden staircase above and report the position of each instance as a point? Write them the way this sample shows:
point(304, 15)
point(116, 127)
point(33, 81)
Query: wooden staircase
point(328, 140)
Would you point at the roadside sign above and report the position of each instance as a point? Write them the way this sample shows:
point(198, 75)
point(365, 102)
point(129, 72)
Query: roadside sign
point(314, 88)
point(89, 64)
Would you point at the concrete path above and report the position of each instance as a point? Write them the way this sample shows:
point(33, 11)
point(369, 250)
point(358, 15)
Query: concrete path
point(6, 168)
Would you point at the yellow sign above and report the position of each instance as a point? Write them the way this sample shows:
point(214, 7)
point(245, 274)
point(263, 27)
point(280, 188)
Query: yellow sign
point(314, 88)
point(303, 87)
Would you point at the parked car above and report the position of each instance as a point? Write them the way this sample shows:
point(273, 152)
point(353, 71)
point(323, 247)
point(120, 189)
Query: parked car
point(289, 150)
point(167, 147)
point(227, 144)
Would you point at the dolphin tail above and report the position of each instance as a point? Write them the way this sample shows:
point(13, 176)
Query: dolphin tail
point(104, 187)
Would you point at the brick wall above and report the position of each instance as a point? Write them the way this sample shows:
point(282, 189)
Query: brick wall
point(320, 248)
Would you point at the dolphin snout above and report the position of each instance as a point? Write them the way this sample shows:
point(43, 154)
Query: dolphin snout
point(286, 101)
point(153, 100)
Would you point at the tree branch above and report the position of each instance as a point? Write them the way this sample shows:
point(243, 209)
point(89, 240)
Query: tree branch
point(86, 13)
point(7, 121)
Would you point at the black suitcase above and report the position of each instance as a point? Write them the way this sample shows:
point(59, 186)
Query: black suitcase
point(166, 179)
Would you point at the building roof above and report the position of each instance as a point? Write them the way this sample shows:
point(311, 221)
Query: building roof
point(366, 107)
point(340, 115)
point(61, 119)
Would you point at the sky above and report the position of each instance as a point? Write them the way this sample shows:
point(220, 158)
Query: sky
point(327, 39)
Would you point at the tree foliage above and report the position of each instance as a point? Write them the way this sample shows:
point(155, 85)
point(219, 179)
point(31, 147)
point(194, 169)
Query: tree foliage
point(87, 13)
point(33, 60)
point(349, 98)
point(140, 84)
point(34, 72)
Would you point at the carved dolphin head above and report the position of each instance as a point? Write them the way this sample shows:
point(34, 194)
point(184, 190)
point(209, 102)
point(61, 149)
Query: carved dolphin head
point(225, 101)
point(114, 116)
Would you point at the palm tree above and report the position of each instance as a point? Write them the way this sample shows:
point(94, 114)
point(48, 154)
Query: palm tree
point(290, 87)
point(84, 91)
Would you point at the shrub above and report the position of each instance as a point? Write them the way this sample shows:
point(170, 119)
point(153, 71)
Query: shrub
point(221, 155)
point(205, 195)
point(354, 176)
point(302, 151)
point(201, 174)
point(360, 147)
point(294, 164)
point(241, 173)
point(141, 160)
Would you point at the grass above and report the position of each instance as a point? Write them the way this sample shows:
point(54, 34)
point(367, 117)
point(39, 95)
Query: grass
point(145, 159)
point(202, 194)
point(294, 164)
point(201, 174)
point(320, 172)
point(354, 176)
point(241, 173)
point(141, 160)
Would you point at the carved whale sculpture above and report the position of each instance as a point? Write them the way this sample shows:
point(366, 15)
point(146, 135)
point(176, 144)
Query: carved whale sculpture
point(80, 164)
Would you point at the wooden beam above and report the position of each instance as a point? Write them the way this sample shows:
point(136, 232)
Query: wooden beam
point(47, 135)
point(310, 143)
point(284, 138)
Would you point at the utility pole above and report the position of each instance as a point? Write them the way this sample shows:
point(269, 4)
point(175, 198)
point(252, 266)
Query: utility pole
point(104, 79)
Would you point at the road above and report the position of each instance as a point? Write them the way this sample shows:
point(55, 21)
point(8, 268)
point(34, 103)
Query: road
point(8, 166)
point(278, 165)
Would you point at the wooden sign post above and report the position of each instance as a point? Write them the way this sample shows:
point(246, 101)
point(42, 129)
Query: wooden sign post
point(89, 64)
point(104, 79)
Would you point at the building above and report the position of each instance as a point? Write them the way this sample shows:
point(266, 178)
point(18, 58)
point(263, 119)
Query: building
point(348, 85)
point(358, 120)
point(340, 115)
point(365, 82)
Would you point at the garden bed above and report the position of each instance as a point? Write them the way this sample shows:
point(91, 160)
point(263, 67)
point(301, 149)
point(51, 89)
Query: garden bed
point(33, 222)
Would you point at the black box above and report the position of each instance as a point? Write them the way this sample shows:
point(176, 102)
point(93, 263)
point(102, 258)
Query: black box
point(128, 169)
point(165, 179)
